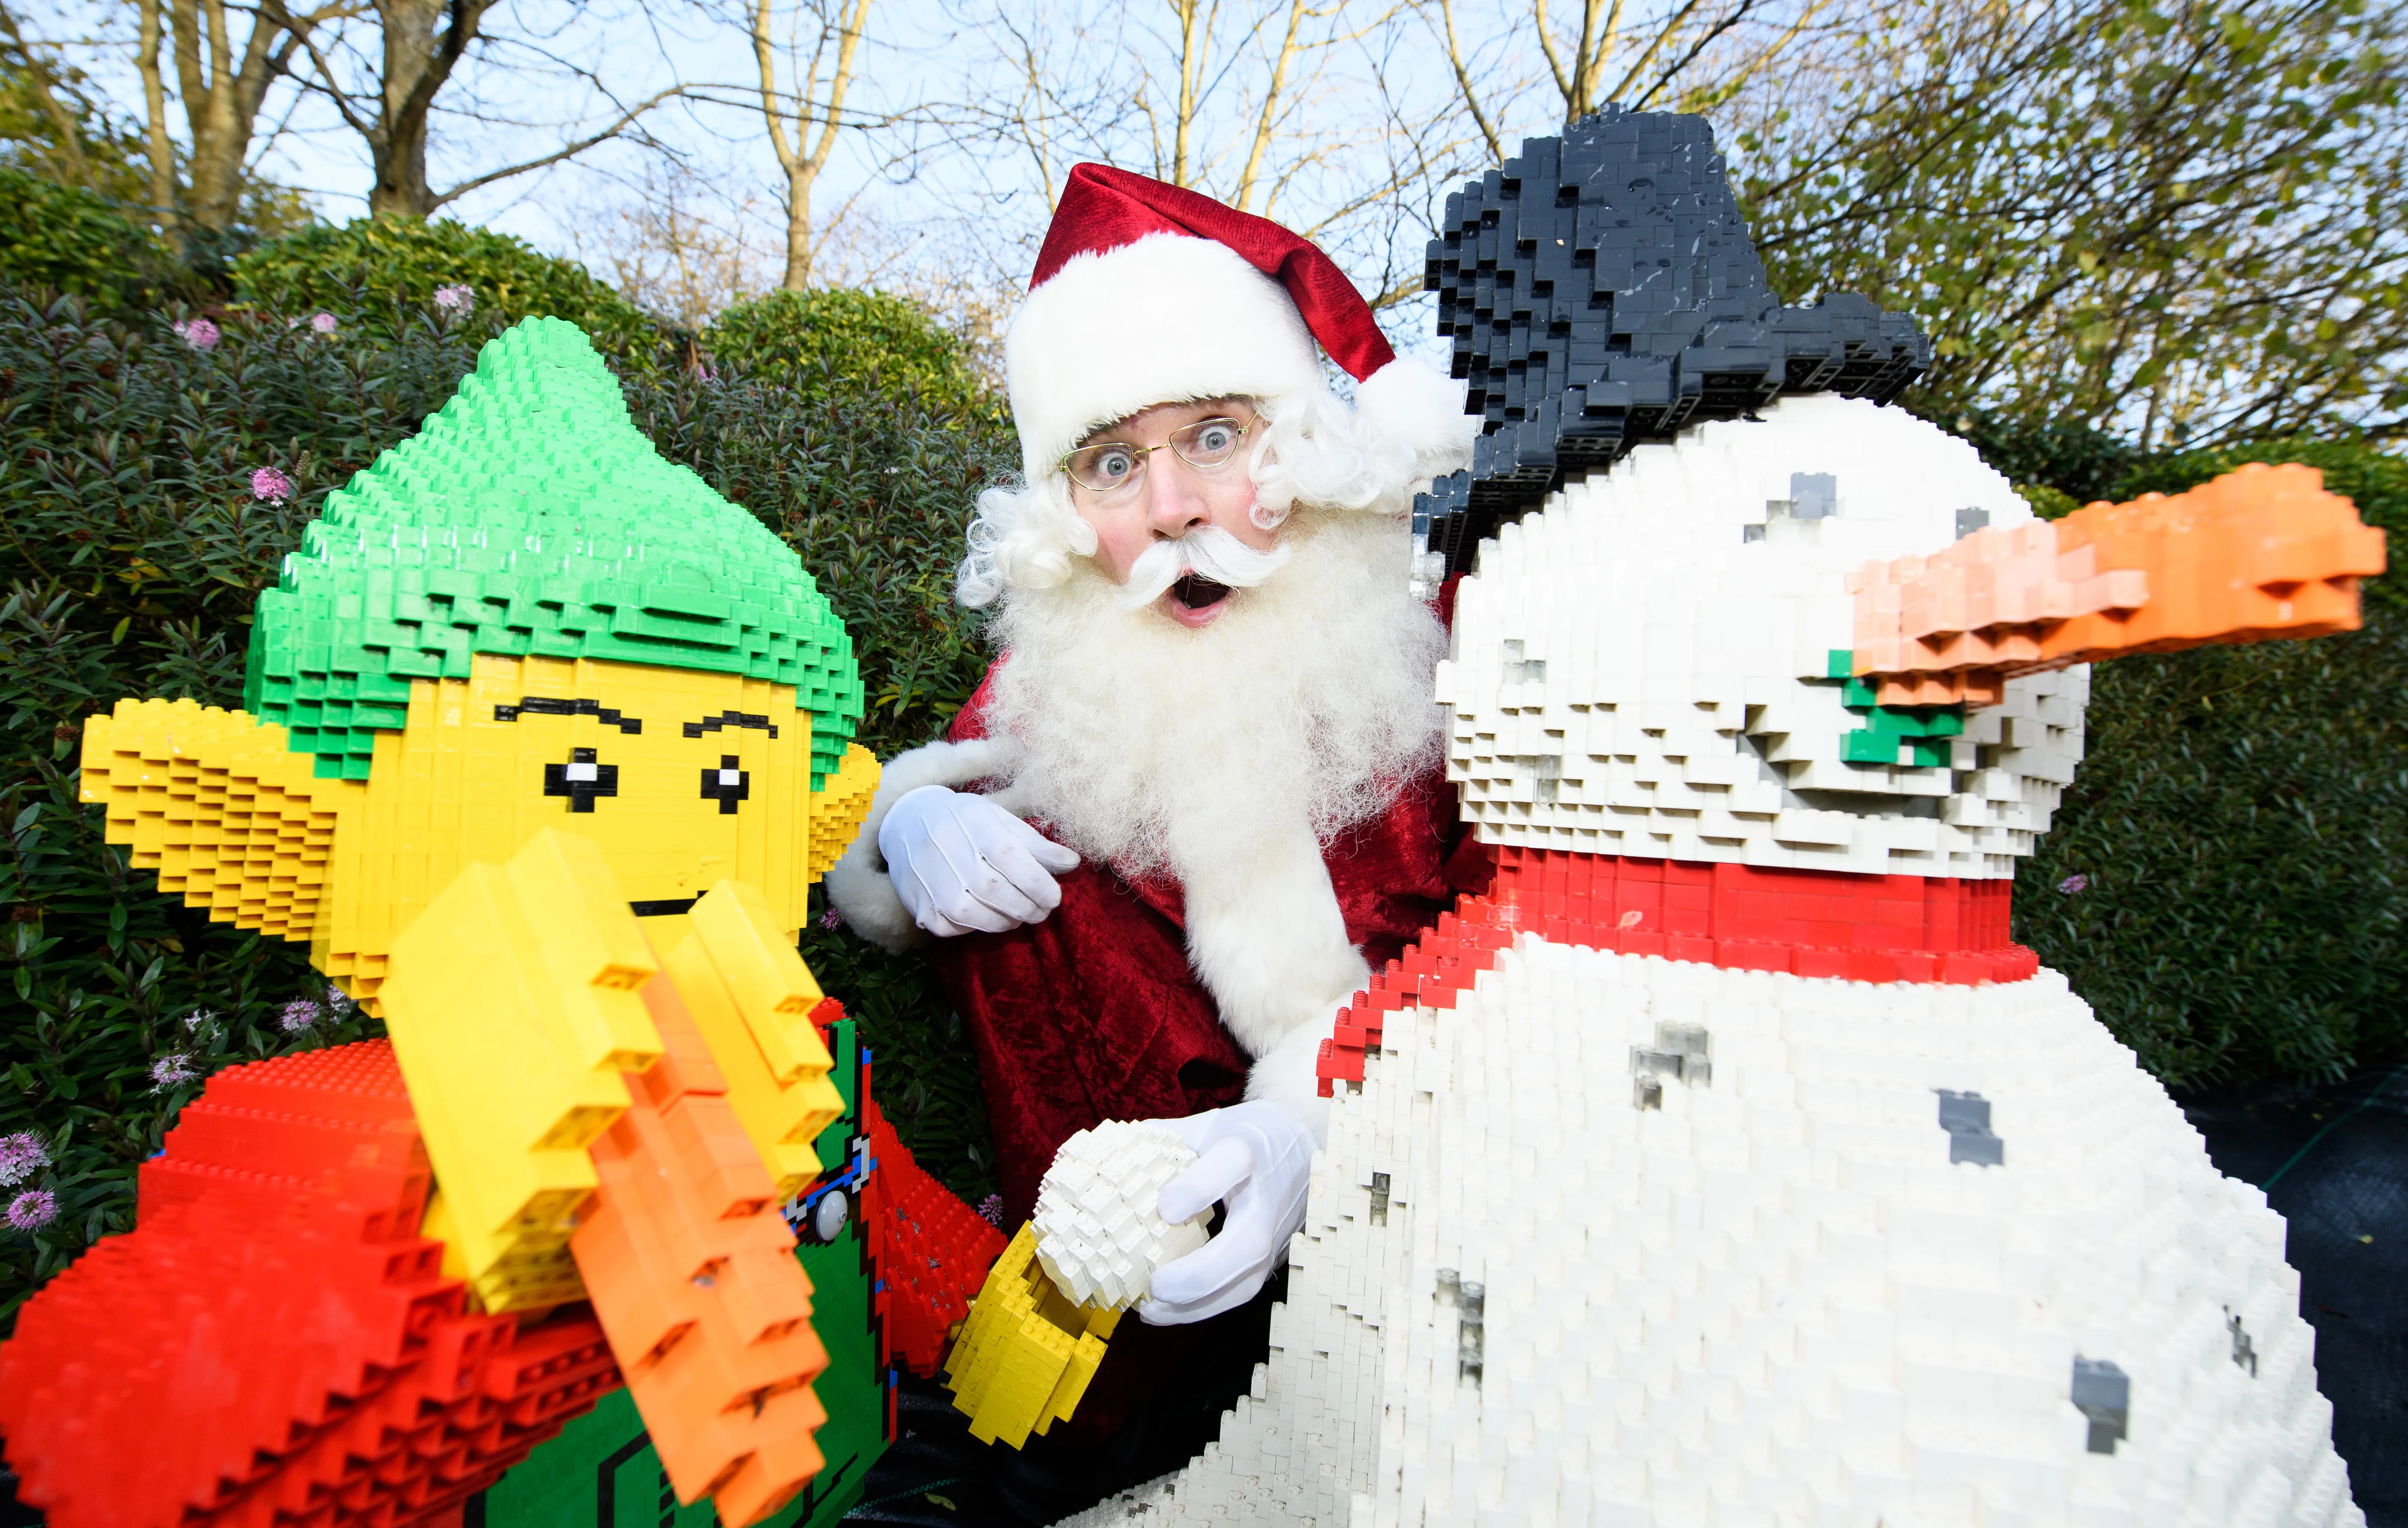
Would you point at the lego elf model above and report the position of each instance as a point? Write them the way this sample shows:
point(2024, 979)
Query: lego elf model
point(542, 743)
point(1724, 1160)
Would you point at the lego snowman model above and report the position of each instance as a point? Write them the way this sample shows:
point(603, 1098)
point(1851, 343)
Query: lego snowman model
point(1726, 1162)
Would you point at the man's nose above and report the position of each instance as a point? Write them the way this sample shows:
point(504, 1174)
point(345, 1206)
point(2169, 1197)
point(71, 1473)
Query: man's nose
point(1173, 505)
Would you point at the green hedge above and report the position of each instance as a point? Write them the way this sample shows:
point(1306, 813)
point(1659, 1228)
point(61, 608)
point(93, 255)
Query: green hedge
point(834, 340)
point(2242, 823)
point(379, 272)
point(77, 241)
point(131, 547)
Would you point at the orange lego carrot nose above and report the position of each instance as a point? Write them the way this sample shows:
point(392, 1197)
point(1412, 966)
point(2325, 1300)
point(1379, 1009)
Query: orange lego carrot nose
point(2257, 554)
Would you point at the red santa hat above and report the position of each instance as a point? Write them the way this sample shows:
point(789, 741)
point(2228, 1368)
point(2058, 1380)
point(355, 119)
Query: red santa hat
point(1147, 294)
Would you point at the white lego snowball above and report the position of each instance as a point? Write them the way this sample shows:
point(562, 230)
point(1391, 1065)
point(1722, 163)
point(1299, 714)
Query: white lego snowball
point(1099, 1232)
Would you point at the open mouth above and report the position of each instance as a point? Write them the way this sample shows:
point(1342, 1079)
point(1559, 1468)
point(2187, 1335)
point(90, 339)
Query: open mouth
point(1197, 593)
point(666, 907)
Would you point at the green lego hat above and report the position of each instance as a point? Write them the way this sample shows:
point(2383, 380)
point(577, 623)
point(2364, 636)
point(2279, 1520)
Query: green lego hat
point(531, 517)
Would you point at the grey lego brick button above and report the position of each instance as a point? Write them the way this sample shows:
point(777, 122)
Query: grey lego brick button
point(2245, 1350)
point(1965, 1117)
point(1682, 1053)
point(1970, 520)
point(1814, 495)
point(2103, 1393)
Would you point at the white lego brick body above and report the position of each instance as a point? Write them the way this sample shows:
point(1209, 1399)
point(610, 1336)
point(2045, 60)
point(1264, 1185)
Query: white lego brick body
point(1641, 667)
point(1773, 1298)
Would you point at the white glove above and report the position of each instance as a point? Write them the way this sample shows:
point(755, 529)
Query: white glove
point(959, 862)
point(1255, 1159)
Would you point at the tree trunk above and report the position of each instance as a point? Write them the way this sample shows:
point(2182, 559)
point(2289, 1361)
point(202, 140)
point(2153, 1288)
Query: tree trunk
point(423, 41)
point(801, 160)
point(221, 95)
point(798, 227)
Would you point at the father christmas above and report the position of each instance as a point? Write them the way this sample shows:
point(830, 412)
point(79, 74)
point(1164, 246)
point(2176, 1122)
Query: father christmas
point(1211, 798)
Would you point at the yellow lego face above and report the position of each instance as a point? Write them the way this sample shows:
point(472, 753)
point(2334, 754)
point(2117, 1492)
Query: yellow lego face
point(683, 778)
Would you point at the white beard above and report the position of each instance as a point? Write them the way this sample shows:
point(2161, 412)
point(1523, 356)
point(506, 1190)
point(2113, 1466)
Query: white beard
point(1229, 756)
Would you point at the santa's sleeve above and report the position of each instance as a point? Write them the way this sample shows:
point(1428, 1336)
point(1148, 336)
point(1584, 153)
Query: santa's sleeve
point(1289, 1074)
point(858, 884)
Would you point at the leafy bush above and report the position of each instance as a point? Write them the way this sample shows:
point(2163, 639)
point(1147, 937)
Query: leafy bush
point(379, 271)
point(817, 341)
point(2240, 820)
point(132, 548)
point(78, 241)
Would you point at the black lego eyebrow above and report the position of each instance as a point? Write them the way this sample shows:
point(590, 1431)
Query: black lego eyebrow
point(730, 719)
point(543, 706)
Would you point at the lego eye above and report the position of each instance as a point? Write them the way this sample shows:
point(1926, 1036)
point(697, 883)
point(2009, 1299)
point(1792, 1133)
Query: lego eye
point(728, 785)
point(580, 779)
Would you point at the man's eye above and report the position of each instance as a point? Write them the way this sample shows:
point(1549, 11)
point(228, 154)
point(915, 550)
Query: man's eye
point(1114, 463)
point(1215, 439)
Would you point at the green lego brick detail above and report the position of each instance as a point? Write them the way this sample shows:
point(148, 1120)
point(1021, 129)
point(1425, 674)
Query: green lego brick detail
point(531, 517)
point(852, 1388)
point(1929, 752)
point(1856, 694)
point(1839, 664)
point(1897, 722)
point(1867, 747)
point(835, 1143)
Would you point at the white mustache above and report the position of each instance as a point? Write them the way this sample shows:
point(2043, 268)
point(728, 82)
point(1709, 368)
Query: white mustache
point(1208, 551)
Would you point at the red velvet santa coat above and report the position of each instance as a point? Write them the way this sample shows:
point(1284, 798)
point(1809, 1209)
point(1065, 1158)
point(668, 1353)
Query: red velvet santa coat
point(1095, 1014)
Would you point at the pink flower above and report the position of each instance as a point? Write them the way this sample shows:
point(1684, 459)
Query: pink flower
point(172, 1070)
point(991, 1211)
point(21, 1155)
point(2072, 884)
point(271, 486)
point(323, 323)
point(831, 919)
point(200, 333)
point(32, 1210)
point(299, 1016)
point(456, 299)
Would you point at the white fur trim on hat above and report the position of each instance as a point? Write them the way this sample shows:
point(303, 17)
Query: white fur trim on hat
point(859, 887)
point(1166, 320)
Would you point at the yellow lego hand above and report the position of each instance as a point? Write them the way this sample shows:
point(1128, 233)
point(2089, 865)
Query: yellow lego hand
point(1026, 1354)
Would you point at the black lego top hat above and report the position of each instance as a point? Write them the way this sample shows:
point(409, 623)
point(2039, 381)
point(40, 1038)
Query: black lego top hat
point(1602, 290)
